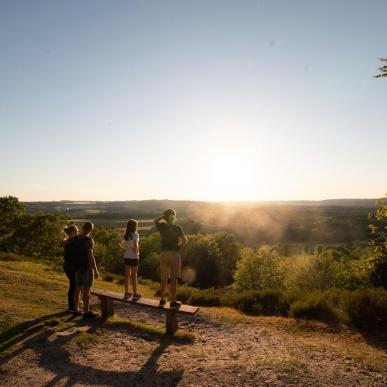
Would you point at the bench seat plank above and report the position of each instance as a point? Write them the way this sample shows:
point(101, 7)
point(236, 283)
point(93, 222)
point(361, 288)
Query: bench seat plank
point(147, 302)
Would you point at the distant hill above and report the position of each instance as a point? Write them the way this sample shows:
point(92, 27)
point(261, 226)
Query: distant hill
point(155, 206)
point(333, 221)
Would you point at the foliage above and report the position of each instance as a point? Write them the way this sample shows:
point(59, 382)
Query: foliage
point(266, 302)
point(22, 233)
point(314, 307)
point(378, 241)
point(382, 69)
point(366, 308)
point(11, 213)
point(259, 269)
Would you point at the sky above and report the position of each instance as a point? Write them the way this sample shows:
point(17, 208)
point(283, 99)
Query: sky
point(195, 100)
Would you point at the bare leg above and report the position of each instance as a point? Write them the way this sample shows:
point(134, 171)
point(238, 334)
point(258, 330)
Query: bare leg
point(86, 299)
point(126, 282)
point(77, 294)
point(133, 278)
point(164, 282)
point(173, 287)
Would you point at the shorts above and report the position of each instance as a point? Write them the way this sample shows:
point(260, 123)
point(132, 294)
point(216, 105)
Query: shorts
point(85, 279)
point(170, 264)
point(133, 262)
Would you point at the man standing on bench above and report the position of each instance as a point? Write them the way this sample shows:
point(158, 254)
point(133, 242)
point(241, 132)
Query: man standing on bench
point(172, 238)
point(86, 271)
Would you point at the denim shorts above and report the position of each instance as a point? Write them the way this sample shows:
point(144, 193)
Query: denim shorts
point(85, 279)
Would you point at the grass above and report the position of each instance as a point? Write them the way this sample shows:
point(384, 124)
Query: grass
point(28, 290)
point(31, 291)
point(31, 288)
point(118, 322)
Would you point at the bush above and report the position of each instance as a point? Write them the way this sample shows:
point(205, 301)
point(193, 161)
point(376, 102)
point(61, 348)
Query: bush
point(367, 308)
point(184, 294)
point(266, 302)
point(259, 269)
point(205, 298)
point(314, 307)
point(108, 277)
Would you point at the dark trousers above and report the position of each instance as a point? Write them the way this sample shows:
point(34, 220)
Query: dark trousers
point(70, 294)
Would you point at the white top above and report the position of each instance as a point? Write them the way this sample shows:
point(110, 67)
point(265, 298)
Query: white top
point(129, 244)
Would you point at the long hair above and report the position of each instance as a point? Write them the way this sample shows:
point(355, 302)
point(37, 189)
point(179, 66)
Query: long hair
point(131, 228)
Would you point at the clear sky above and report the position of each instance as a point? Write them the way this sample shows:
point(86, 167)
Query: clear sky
point(201, 100)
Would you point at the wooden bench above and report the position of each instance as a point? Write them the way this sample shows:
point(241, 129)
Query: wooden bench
point(107, 298)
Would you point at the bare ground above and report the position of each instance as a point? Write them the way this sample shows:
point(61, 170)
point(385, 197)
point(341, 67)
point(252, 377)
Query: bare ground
point(227, 350)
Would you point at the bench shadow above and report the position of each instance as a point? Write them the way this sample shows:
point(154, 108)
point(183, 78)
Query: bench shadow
point(54, 355)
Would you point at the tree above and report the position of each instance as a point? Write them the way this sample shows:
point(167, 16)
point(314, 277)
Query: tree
point(382, 69)
point(259, 269)
point(202, 255)
point(378, 241)
point(230, 250)
point(11, 213)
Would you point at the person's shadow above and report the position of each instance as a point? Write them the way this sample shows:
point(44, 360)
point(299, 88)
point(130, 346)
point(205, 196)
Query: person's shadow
point(54, 356)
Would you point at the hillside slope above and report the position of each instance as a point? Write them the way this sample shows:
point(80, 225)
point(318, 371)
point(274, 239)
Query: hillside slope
point(227, 349)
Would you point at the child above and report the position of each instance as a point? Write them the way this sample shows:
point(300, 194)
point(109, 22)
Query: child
point(172, 239)
point(130, 243)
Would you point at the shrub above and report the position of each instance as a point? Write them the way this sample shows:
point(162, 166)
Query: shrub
point(259, 269)
point(314, 307)
point(184, 294)
point(108, 277)
point(205, 298)
point(367, 308)
point(266, 302)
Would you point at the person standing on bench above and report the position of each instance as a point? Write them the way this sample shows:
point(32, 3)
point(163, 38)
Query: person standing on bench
point(130, 243)
point(68, 244)
point(86, 271)
point(172, 238)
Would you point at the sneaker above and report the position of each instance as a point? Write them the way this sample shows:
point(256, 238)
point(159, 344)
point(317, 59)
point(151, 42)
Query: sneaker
point(90, 314)
point(77, 314)
point(162, 302)
point(127, 296)
point(136, 296)
point(175, 304)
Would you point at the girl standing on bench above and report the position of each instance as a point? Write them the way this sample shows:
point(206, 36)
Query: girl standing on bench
point(130, 245)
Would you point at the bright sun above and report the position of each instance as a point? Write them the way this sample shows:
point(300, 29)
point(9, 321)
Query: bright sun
point(231, 178)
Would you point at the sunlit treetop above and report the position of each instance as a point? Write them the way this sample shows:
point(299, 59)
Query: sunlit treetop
point(382, 69)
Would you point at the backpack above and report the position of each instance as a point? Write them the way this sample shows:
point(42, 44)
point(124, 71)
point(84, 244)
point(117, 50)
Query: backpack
point(76, 256)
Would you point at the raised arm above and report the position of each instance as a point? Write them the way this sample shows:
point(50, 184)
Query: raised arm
point(158, 220)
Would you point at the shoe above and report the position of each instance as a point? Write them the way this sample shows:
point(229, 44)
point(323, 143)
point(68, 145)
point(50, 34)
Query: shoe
point(175, 304)
point(90, 314)
point(77, 314)
point(136, 296)
point(127, 296)
point(162, 302)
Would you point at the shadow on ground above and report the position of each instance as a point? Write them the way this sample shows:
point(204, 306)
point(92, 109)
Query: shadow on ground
point(49, 335)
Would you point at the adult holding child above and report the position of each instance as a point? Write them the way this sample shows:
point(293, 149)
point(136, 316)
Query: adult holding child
point(130, 245)
point(172, 238)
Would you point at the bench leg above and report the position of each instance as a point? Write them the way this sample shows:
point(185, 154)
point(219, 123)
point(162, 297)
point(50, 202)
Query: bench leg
point(107, 309)
point(171, 322)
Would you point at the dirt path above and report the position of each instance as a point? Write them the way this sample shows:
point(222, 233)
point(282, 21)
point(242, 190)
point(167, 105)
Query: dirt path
point(227, 351)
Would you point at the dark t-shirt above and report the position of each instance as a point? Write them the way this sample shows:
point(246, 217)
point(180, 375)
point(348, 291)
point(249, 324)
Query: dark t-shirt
point(76, 253)
point(70, 254)
point(170, 234)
